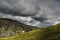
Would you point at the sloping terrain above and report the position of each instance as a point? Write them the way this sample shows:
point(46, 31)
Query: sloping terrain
point(50, 33)
point(10, 27)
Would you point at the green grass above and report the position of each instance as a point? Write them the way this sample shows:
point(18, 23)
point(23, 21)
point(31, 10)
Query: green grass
point(25, 36)
point(50, 33)
point(10, 28)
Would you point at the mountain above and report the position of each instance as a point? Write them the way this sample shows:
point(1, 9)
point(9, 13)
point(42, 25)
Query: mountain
point(10, 27)
point(50, 33)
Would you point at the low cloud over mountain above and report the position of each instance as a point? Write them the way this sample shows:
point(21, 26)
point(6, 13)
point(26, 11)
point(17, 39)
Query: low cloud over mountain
point(31, 12)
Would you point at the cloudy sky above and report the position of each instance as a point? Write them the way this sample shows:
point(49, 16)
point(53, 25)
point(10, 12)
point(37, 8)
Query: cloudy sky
point(39, 13)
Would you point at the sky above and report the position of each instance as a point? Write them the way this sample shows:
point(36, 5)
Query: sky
point(40, 13)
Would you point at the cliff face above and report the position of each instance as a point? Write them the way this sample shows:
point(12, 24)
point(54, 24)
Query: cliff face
point(10, 27)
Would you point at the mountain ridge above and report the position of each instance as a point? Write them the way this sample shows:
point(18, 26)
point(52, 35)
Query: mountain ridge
point(50, 33)
point(10, 27)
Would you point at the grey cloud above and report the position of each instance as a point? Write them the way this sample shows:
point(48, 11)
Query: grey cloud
point(29, 7)
point(40, 10)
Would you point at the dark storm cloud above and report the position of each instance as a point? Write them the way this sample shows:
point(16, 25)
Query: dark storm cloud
point(57, 0)
point(37, 9)
point(14, 8)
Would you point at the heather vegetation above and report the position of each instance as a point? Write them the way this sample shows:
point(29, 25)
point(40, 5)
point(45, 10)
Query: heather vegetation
point(49, 33)
point(10, 27)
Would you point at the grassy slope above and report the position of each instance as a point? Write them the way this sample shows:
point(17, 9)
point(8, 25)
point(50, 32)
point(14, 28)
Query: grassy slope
point(10, 27)
point(50, 33)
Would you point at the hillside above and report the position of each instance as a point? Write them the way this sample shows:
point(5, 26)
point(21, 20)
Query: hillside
point(10, 27)
point(50, 33)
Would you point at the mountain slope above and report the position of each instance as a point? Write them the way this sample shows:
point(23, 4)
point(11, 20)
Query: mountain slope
point(50, 33)
point(10, 27)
